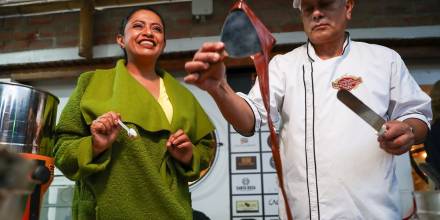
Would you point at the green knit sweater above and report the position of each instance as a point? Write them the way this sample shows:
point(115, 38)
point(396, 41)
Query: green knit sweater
point(134, 179)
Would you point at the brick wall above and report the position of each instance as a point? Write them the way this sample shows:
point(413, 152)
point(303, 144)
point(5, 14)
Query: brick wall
point(61, 30)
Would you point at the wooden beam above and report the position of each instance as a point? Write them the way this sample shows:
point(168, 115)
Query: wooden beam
point(43, 75)
point(86, 29)
point(53, 6)
point(39, 8)
point(46, 73)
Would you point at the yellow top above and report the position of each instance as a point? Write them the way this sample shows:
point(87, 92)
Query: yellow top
point(164, 101)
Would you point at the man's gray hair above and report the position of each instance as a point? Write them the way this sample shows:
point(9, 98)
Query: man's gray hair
point(297, 4)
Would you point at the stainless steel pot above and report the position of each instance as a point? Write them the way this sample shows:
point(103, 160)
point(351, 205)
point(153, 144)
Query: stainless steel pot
point(28, 118)
point(428, 205)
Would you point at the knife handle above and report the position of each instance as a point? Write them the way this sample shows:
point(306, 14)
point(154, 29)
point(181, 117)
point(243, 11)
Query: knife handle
point(382, 130)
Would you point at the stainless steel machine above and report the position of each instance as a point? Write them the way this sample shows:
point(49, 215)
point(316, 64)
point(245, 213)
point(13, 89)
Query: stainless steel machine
point(27, 122)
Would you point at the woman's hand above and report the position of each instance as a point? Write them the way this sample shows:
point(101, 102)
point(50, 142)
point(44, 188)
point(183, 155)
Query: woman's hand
point(104, 131)
point(180, 147)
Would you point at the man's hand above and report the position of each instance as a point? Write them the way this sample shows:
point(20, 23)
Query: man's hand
point(207, 70)
point(180, 147)
point(105, 130)
point(398, 138)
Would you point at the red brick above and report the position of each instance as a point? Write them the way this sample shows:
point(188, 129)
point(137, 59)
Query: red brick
point(16, 45)
point(41, 44)
point(67, 42)
point(291, 27)
point(427, 7)
point(24, 35)
point(13, 23)
point(110, 39)
point(6, 35)
point(66, 18)
point(184, 21)
point(278, 15)
point(45, 34)
point(40, 20)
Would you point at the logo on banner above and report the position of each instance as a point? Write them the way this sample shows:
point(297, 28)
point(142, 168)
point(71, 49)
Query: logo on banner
point(273, 202)
point(245, 181)
point(247, 206)
point(246, 187)
point(271, 163)
point(246, 162)
point(347, 82)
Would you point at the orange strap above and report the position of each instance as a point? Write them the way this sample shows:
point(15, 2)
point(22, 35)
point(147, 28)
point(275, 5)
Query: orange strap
point(33, 203)
point(261, 62)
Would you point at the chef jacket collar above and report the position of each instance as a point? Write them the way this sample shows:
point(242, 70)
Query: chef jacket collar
point(312, 54)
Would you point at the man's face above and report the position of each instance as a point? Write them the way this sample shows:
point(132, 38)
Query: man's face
point(325, 20)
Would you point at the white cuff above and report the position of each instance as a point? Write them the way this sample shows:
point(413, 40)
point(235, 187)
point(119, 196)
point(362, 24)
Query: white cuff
point(415, 115)
point(257, 115)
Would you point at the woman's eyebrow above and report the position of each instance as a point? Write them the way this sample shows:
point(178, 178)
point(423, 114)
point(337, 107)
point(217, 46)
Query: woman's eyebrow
point(137, 20)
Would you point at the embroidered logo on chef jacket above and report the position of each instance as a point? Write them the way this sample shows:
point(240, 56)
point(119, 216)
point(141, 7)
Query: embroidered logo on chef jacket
point(346, 82)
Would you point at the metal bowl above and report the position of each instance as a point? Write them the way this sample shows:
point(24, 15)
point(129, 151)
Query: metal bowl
point(428, 205)
point(28, 118)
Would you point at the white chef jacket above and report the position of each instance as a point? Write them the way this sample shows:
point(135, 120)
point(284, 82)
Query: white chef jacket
point(332, 163)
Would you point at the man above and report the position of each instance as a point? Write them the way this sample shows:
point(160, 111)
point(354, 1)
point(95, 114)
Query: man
point(334, 165)
point(432, 142)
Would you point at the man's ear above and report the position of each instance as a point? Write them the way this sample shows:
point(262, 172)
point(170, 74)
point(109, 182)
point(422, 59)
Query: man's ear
point(120, 40)
point(349, 8)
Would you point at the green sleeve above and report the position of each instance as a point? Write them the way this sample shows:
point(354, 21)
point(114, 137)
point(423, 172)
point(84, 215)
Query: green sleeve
point(73, 147)
point(203, 151)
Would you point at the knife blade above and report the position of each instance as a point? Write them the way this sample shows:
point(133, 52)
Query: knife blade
point(362, 110)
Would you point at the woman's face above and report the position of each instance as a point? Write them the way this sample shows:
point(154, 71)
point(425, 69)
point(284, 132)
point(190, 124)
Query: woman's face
point(144, 36)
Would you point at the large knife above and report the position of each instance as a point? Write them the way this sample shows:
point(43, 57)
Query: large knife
point(362, 110)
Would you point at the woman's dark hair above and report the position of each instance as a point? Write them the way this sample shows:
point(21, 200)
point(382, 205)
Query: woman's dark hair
point(125, 20)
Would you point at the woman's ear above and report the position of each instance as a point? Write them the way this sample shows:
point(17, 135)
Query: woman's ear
point(164, 45)
point(349, 8)
point(120, 40)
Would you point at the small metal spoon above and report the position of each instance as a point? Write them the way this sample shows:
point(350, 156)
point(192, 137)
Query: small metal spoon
point(130, 131)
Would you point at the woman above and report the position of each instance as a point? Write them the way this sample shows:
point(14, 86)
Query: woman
point(120, 177)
